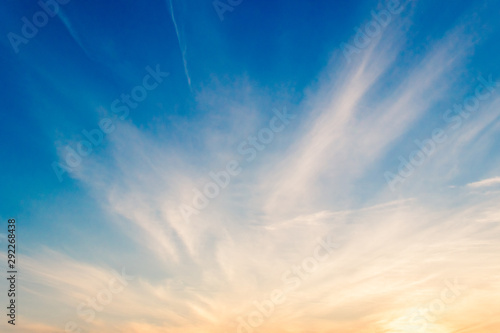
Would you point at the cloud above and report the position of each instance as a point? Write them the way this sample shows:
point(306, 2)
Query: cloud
point(397, 250)
point(485, 183)
point(181, 40)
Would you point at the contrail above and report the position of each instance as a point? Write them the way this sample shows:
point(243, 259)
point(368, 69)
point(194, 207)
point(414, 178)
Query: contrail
point(182, 44)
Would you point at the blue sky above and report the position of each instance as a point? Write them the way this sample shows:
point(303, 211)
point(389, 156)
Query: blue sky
point(354, 115)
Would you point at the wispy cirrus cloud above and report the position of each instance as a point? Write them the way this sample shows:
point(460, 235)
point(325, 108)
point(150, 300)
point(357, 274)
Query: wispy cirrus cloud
point(485, 182)
point(394, 255)
point(322, 176)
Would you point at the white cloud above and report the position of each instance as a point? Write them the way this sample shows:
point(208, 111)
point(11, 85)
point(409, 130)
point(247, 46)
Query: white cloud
point(395, 252)
point(485, 183)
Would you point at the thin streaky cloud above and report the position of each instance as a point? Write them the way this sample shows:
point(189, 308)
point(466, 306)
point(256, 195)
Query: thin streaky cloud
point(485, 182)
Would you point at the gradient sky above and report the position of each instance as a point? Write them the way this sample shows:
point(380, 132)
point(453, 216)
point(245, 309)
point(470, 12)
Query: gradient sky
point(327, 174)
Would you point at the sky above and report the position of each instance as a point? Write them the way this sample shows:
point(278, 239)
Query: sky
point(251, 166)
